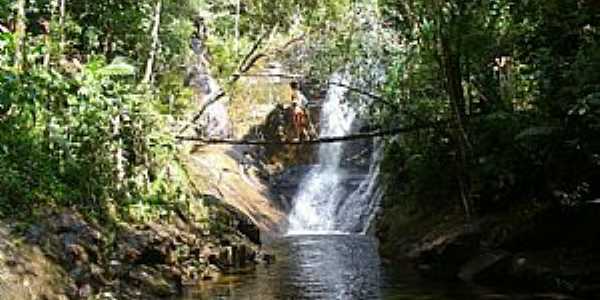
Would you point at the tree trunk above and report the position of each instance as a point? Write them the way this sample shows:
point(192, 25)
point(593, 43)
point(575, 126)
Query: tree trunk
point(506, 82)
point(47, 42)
point(48, 29)
point(237, 28)
point(20, 35)
point(454, 87)
point(56, 26)
point(320, 140)
point(108, 43)
point(155, 42)
point(61, 25)
point(119, 172)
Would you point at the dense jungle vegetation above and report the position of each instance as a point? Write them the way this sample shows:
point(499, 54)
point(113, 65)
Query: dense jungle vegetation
point(102, 196)
point(93, 93)
point(517, 82)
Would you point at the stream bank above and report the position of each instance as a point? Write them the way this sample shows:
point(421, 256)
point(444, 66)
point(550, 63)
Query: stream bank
point(544, 250)
point(64, 255)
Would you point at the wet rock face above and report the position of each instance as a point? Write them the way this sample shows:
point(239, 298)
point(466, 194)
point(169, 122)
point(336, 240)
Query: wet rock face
point(287, 182)
point(480, 267)
point(278, 123)
point(199, 80)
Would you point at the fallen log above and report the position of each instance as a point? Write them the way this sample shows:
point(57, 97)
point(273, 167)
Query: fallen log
point(320, 140)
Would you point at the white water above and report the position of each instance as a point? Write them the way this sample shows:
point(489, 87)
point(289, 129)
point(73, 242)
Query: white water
point(215, 122)
point(323, 204)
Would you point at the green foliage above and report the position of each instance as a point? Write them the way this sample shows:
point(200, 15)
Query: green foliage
point(514, 85)
point(78, 129)
point(81, 132)
point(529, 73)
point(6, 48)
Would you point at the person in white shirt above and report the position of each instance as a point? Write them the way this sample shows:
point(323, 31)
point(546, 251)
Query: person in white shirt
point(297, 95)
point(299, 113)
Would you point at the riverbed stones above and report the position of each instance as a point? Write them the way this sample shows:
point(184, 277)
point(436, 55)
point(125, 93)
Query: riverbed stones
point(477, 267)
point(85, 291)
point(212, 272)
point(154, 281)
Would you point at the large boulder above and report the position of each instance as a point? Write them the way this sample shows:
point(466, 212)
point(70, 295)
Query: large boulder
point(228, 214)
point(443, 257)
point(235, 256)
point(481, 266)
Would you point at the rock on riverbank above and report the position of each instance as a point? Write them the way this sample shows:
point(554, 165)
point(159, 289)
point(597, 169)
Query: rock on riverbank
point(548, 251)
point(64, 256)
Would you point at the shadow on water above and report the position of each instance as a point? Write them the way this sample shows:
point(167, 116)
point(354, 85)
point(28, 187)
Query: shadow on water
point(338, 267)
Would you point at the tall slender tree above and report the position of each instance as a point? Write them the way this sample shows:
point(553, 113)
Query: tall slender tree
point(20, 34)
point(155, 42)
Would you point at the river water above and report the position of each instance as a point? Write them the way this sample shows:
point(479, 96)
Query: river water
point(339, 267)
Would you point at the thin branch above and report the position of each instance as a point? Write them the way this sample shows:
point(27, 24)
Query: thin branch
point(296, 76)
point(250, 64)
point(210, 101)
point(289, 44)
point(251, 59)
point(246, 64)
point(361, 92)
point(155, 42)
point(279, 75)
point(214, 97)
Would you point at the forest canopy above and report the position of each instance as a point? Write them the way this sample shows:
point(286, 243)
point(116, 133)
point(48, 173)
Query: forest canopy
point(92, 93)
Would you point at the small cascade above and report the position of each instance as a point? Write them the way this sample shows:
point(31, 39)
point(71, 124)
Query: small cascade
point(215, 121)
point(325, 203)
point(358, 211)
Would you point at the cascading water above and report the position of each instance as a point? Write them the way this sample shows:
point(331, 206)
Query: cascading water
point(324, 204)
point(336, 196)
point(358, 211)
point(215, 121)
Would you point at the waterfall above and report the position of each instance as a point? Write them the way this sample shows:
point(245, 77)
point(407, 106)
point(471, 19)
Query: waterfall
point(324, 204)
point(215, 121)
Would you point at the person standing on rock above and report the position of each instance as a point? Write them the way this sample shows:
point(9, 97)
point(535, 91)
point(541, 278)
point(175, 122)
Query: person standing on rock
point(301, 117)
point(299, 121)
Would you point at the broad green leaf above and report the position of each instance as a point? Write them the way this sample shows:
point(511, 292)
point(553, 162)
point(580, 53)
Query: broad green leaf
point(539, 131)
point(119, 67)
